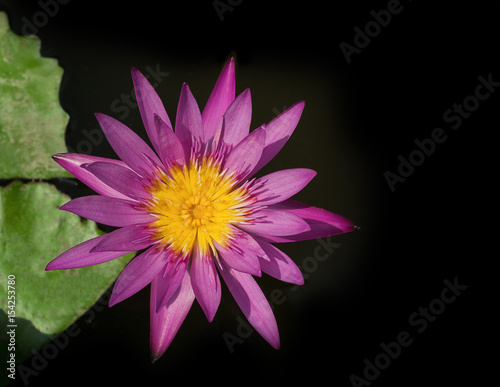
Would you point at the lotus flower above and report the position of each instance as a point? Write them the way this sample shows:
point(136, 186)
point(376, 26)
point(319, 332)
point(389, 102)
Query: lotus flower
point(193, 209)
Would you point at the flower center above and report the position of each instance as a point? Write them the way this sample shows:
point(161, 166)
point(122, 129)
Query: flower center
point(195, 205)
point(199, 212)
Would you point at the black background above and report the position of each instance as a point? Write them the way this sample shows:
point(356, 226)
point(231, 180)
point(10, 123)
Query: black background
point(359, 117)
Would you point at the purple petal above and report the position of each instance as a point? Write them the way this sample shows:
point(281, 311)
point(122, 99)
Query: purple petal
point(220, 99)
point(281, 185)
point(278, 265)
point(188, 123)
point(246, 262)
point(169, 147)
point(129, 238)
point(243, 255)
point(206, 284)
point(80, 256)
point(149, 104)
point(73, 162)
point(276, 223)
point(278, 131)
point(252, 303)
point(128, 146)
point(119, 178)
point(246, 154)
point(111, 211)
point(137, 274)
point(169, 282)
point(166, 323)
point(237, 118)
point(323, 223)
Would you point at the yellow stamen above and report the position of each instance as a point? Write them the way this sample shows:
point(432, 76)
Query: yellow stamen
point(195, 204)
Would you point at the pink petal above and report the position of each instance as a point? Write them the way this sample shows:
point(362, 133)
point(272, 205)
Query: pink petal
point(137, 274)
point(246, 262)
point(278, 131)
point(188, 123)
point(246, 154)
point(206, 284)
point(243, 255)
point(237, 118)
point(275, 223)
point(169, 282)
point(128, 146)
point(80, 256)
point(220, 99)
point(169, 147)
point(278, 265)
point(149, 104)
point(111, 211)
point(166, 323)
point(281, 185)
point(323, 223)
point(252, 303)
point(129, 238)
point(119, 178)
point(73, 162)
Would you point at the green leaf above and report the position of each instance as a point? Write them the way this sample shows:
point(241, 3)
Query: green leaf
point(32, 122)
point(33, 231)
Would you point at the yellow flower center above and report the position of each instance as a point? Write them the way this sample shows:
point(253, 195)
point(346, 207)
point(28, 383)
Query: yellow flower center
point(195, 205)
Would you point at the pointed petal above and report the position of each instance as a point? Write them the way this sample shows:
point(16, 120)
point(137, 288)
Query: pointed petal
point(80, 256)
point(322, 223)
point(246, 154)
point(169, 146)
point(137, 274)
point(119, 178)
point(278, 265)
point(243, 255)
point(244, 261)
point(206, 284)
point(188, 123)
point(237, 118)
point(149, 104)
point(276, 223)
point(72, 162)
point(129, 238)
point(106, 210)
point(166, 323)
point(128, 146)
point(281, 185)
point(252, 303)
point(278, 131)
point(220, 99)
point(169, 281)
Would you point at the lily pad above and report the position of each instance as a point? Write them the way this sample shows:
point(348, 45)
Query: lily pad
point(33, 231)
point(32, 122)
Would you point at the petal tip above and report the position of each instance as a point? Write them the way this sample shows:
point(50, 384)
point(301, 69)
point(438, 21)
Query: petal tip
point(154, 358)
point(57, 156)
point(64, 207)
point(113, 301)
point(50, 267)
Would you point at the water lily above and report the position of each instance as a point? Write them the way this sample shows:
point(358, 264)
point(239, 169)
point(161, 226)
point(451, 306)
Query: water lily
point(193, 209)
